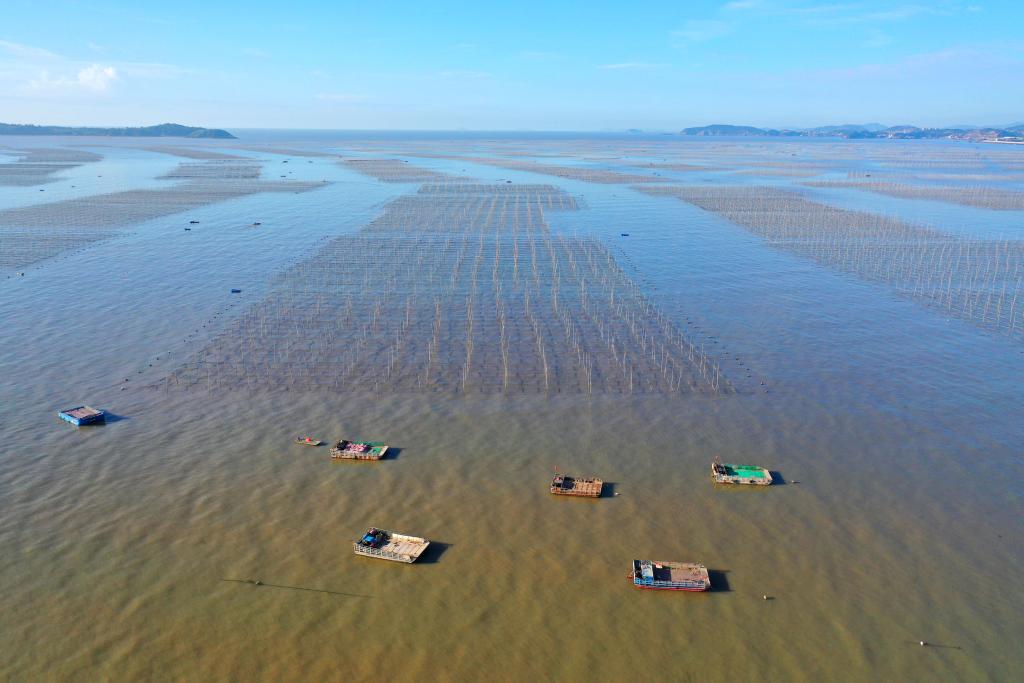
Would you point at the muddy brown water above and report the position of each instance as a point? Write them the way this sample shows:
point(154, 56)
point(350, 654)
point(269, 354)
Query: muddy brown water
point(127, 551)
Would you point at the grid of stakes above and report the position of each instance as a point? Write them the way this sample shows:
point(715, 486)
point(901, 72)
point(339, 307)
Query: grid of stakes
point(392, 170)
point(981, 197)
point(460, 288)
point(973, 279)
point(34, 233)
point(40, 165)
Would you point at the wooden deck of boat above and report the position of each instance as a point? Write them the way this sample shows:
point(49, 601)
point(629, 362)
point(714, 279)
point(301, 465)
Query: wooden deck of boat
point(681, 571)
point(404, 546)
point(83, 413)
point(564, 485)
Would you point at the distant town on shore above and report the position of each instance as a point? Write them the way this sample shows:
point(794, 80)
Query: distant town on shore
point(1010, 133)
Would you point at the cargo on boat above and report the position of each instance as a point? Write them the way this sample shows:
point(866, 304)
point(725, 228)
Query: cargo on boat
point(83, 415)
point(564, 485)
point(670, 576)
point(387, 545)
point(307, 441)
point(724, 473)
point(358, 450)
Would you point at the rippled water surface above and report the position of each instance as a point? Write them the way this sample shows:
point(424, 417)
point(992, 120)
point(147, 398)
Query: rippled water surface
point(895, 431)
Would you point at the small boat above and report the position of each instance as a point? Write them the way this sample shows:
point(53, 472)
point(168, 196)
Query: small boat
point(564, 485)
point(725, 473)
point(387, 545)
point(193, 222)
point(358, 450)
point(236, 291)
point(83, 415)
point(307, 441)
point(670, 576)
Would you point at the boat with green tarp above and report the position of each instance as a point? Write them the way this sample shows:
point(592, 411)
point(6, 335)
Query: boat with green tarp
point(726, 473)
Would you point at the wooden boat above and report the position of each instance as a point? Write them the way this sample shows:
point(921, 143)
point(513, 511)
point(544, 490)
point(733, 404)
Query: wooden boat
point(358, 450)
point(725, 473)
point(564, 485)
point(387, 545)
point(307, 441)
point(670, 576)
point(83, 415)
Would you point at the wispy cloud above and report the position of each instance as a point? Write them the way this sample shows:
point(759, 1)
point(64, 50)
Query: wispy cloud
point(739, 5)
point(701, 31)
point(857, 13)
point(940, 65)
point(341, 98)
point(878, 38)
point(465, 74)
point(539, 55)
point(625, 66)
point(27, 52)
point(94, 78)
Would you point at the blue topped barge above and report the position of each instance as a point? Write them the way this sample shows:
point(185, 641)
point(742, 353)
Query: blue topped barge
point(83, 415)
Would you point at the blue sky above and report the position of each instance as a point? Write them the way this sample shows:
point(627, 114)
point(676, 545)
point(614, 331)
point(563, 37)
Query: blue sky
point(510, 65)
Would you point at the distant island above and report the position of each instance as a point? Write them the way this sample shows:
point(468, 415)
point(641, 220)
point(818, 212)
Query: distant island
point(1012, 133)
point(164, 130)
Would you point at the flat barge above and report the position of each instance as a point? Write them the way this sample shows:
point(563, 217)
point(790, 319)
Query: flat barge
point(670, 576)
point(387, 545)
point(564, 485)
point(725, 473)
point(83, 415)
point(358, 450)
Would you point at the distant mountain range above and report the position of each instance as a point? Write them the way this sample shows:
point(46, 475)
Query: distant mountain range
point(164, 130)
point(1012, 133)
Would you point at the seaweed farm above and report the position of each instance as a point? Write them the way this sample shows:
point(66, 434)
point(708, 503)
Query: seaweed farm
point(460, 288)
point(39, 165)
point(582, 173)
point(972, 279)
point(500, 309)
point(392, 170)
point(29, 234)
point(979, 196)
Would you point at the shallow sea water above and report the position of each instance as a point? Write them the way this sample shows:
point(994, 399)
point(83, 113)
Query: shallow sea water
point(896, 433)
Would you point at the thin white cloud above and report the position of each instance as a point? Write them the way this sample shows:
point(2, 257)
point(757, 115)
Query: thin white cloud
point(739, 5)
point(539, 55)
point(340, 98)
point(27, 52)
point(624, 66)
point(701, 30)
point(93, 78)
point(878, 38)
point(465, 74)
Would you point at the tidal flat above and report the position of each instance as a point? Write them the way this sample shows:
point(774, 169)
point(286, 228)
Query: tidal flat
point(494, 308)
